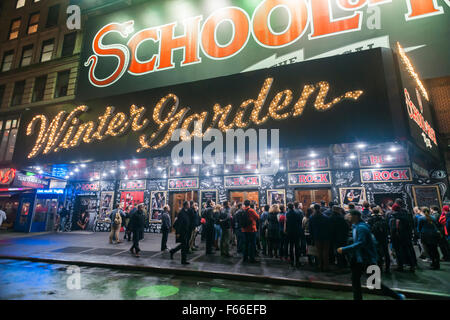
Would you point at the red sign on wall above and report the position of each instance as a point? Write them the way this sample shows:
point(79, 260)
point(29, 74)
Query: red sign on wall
point(132, 185)
point(242, 181)
point(7, 175)
point(308, 164)
point(309, 178)
point(367, 160)
point(183, 183)
point(386, 175)
point(89, 186)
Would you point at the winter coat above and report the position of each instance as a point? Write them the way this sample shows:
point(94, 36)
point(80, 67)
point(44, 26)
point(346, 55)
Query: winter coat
point(338, 228)
point(273, 230)
point(319, 227)
point(293, 224)
point(363, 250)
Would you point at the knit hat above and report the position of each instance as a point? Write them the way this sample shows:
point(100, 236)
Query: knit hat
point(396, 207)
point(446, 208)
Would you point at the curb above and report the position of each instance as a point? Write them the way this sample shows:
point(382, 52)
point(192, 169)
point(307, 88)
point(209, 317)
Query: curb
point(410, 294)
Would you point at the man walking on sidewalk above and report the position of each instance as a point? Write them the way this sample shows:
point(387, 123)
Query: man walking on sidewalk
point(182, 227)
point(137, 223)
point(249, 218)
point(166, 225)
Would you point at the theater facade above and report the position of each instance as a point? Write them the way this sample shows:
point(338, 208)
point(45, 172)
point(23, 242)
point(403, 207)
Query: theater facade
point(352, 127)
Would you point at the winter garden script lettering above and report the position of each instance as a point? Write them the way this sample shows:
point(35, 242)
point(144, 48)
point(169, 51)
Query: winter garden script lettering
point(66, 130)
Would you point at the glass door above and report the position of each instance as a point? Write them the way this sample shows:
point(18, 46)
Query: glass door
point(24, 213)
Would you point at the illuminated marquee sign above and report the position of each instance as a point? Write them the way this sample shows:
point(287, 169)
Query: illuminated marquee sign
point(242, 181)
point(370, 160)
point(7, 175)
point(25, 181)
point(308, 164)
point(50, 191)
point(386, 175)
point(141, 49)
point(309, 178)
point(186, 183)
point(95, 186)
point(132, 185)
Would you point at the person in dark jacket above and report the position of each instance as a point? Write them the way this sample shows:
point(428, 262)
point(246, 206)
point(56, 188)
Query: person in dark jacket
point(339, 234)
point(263, 228)
point(429, 235)
point(273, 231)
point(225, 224)
point(195, 220)
point(136, 224)
point(166, 226)
point(363, 254)
point(208, 227)
point(294, 231)
point(319, 229)
point(379, 228)
point(182, 227)
point(365, 214)
point(63, 215)
point(401, 236)
point(443, 244)
point(298, 208)
point(283, 238)
point(329, 211)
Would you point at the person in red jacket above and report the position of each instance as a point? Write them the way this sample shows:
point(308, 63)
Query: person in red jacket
point(443, 219)
point(249, 219)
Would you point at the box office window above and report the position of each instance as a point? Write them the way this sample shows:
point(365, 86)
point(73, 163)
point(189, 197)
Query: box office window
point(47, 50)
point(27, 54)
point(20, 4)
point(52, 17)
point(8, 134)
point(62, 84)
point(33, 23)
point(7, 60)
point(39, 88)
point(19, 88)
point(68, 44)
point(14, 29)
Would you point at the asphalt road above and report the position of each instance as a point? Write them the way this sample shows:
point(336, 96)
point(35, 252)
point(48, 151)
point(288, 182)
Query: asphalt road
point(41, 281)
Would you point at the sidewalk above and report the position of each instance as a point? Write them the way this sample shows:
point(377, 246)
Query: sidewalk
point(93, 249)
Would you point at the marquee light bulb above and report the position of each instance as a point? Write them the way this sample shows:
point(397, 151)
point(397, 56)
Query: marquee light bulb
point(361, 146)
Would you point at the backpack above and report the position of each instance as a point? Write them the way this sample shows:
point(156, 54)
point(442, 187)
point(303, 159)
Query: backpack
point(117, 219)
point(244, 219)
point(379, 227)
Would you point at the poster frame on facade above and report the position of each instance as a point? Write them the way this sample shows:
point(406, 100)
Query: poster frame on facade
point(201, 196)
point(363, 195)
point(166, 201)
point(242, 187)
point(110, 206)
point(269, 193)
point(414, 188)
point(379, 169)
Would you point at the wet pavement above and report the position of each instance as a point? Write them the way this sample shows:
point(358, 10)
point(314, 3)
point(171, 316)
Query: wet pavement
point(42, 281)
point(93, 250)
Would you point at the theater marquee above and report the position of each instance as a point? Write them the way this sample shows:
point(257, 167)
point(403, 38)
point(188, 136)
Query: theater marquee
point(386, 175)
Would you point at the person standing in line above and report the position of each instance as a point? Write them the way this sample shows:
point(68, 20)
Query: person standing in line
point(249, 219)
point(293, 230)
point(225, 224)
point(182, 227)
point(192, 214)
point(217, 228)
point(365, 214)
point(116, 223)
point(319, 229)
point(329, 211)
point(443, 244)
point(283, 238)
point(443, 220)
point(362, 255)
point(137, 224)
point(417, 214)
point(273, 231)
point(127, 234)
point(196, 223)
point(339, 235)
point(308, 240)
point(430, 235)
point(237, 229)
point(379, 228)
point(166, 226)
point(208, 226)
point(263, 228)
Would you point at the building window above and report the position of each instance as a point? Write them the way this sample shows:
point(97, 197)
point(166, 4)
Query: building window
point(8, 134)
point(19, 88)
point(62, 84)
point(33, 23)
point(47, 50)
point(20, 3)
point(27, 53)
point(68, 44)
point(7, 60)
point(39, 88)
point(52, 18)
point(14, 29)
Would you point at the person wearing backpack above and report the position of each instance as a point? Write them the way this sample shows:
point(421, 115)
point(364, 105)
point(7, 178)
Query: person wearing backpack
point(401, 236)
point(363, 254)
point(379, 228)
point(116, 224)
point(430, 236)
point(248, 220)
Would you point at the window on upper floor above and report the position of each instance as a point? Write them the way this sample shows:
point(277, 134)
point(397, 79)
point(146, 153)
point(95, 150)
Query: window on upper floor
point(68, 44)
point(39, 88)
point(47, 50)
point(62, 84)
point(52, 17)
point(7, 61)
point(14, 29)
point(20, 4)
point(27, 54)
point(8, 135)
point(19, 89)
point(33, 23)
